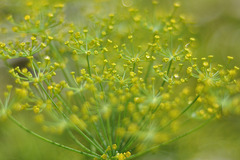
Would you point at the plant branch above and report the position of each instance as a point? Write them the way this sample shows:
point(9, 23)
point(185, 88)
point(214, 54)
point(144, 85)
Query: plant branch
point(170, 141)
point(50, 141)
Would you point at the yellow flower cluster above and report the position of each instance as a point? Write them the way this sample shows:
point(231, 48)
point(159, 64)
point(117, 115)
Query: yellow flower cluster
point(117, 84)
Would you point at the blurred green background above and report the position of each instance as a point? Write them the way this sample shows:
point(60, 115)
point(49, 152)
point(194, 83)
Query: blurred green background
point(217, 30)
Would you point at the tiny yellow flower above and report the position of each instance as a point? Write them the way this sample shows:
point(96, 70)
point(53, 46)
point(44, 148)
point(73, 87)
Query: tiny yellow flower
point(27, 18)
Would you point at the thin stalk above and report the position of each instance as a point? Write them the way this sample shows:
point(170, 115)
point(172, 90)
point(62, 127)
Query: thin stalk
point(150, 65)
point(44, 90)
point(170, 141)
point(59, 97)
point(67, 107)
point(64, 115)
point(53, 47)
point(103, 128)
point(66, 76)
point(134, 66)
point(169, 66)
point(80, 144)
point(118, 125)
point(189, 106)
point(133, 139)
point(109, 131)
point(94, 140)
point(99, 134)
point(50, 141)
point(89, 68)
point(142, 124)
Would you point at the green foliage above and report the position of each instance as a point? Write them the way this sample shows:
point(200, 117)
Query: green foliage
point(121, 85)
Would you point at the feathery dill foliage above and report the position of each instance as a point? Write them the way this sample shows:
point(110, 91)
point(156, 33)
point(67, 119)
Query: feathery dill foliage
point(121, 85)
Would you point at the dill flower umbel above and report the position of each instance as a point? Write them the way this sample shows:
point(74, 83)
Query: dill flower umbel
point(121, 85)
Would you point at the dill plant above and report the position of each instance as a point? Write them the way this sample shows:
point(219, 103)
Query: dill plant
point(121, 85)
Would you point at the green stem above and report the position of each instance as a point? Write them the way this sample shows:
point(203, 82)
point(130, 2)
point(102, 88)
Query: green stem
point(50, 141)
point(109, 132)
point(99, 134)
point(170, 141)
point(66, 118)
point(104, 129)
point(169, 66)
point(133, 139)
point(189, 106)
point(150, 65)
point(134, 66)
point(80, 144)
point(55, 105)
point(89, 68)
point(66, 76)
point(118, 125)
